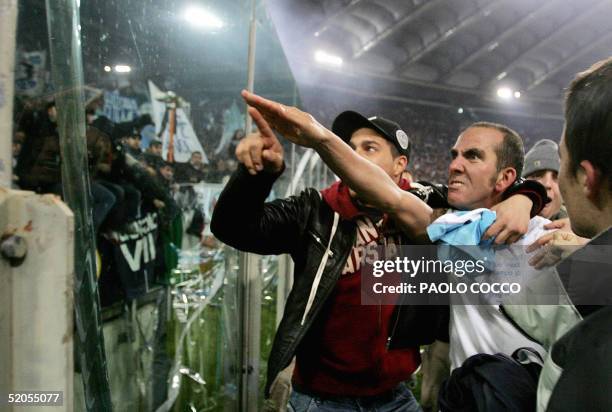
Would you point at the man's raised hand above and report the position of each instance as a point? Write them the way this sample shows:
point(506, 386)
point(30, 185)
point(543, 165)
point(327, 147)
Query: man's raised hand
point(297, 126)
point(262, 150)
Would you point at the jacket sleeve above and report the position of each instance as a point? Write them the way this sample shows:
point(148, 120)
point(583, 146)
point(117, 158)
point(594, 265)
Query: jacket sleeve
point(431, 193)
point(533, 190)
point(243, 220)
point(435, 194)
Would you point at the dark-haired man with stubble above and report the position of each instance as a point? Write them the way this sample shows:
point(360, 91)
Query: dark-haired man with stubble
point(486, 159)
point(577, 373)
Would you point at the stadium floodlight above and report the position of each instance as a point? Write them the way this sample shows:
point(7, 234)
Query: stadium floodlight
point(517, 94)
point(504, 93)
point(200, 17)
point(122, 68)
point(326, 58)
point(107, 69)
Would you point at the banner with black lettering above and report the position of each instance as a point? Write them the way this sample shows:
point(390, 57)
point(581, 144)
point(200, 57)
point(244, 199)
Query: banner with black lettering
point(129, 260)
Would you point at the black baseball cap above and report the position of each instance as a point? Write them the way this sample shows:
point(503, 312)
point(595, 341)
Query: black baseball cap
point(348, 122)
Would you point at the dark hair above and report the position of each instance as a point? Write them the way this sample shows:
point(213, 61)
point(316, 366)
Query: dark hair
point(588, 118)
point(143, 120)
point(510, 153)
point(155, 143)
point(395, 151)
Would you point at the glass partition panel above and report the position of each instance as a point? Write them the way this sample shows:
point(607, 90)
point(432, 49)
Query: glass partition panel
point(131, 112)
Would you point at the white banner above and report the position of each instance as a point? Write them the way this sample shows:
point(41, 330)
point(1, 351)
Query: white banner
point(185, 139)
point(157, 108)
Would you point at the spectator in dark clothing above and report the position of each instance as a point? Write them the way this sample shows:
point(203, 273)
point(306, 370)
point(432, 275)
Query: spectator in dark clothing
point(116, 177)
point(577, 373)
point(155, 148)
point(38, 164)
point(132, 145)
point(233, 144)
point(585, 179)
point(542, 164)
point(99, 157)
point(219, 171)
point(192, 171)
point(166, 173)
point(161, 195)
point(151, 156)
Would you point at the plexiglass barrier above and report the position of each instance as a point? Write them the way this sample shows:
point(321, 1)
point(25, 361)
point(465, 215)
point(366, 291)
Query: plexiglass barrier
point(130, 112)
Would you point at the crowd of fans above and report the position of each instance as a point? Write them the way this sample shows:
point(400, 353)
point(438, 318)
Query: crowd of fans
point(429, 128)
point(129, 176)
point(36, 160)
point(118, 185)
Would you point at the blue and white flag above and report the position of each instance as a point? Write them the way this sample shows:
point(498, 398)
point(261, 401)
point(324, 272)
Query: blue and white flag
point(119, 108)
point(185, 139)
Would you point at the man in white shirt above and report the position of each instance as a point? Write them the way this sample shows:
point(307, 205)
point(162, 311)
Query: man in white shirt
point(486, 159)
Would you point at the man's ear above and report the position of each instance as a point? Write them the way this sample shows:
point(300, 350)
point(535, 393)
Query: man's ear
point(505, 179)
point(590, 179)
point(400, 165)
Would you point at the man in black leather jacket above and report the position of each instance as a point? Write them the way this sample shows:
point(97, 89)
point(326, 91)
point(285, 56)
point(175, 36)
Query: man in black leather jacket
point(321, 231)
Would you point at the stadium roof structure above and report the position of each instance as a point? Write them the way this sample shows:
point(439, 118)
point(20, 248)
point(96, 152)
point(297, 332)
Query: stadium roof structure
point(455, 53)
point(469, 47)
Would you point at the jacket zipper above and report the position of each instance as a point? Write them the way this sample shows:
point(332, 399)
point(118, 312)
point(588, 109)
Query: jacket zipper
point(320, 242)
point(390, 337)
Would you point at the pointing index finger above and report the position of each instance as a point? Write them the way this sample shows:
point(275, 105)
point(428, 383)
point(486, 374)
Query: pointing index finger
point(262, 124)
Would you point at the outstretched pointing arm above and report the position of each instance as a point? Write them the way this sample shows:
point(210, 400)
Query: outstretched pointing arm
point(372, 184)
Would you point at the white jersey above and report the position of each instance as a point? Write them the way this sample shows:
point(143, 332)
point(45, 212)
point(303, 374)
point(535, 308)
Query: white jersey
point(483, 328)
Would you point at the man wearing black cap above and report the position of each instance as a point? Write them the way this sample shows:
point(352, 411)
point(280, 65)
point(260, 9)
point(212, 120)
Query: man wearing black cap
point(348, 355)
